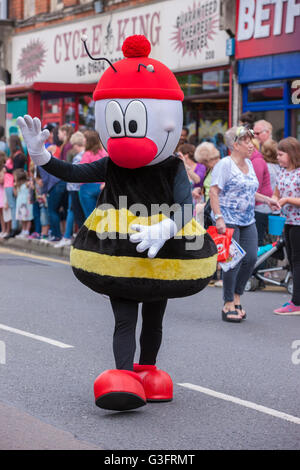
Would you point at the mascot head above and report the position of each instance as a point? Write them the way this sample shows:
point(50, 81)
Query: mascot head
point(138, 107)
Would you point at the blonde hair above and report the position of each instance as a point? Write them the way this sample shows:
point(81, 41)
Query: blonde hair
point(269, 151)
point(77, 139)
point(206, 152)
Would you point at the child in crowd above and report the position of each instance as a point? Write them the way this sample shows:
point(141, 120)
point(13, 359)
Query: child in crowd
point(41, 199)
point(2, 171)
point(24, 212)
point(287, 192)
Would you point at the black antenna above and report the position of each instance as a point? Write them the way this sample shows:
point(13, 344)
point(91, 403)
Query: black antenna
point(84, 39)
point(149, 67)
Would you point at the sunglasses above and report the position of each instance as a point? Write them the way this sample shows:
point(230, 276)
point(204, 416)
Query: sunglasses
point(257, 133)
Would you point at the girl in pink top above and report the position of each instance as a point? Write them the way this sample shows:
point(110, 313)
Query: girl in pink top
point(89, 192)
point(262, 211)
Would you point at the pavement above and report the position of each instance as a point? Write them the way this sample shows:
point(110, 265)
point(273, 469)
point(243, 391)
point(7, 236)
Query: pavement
point(36, 247)
point(21, 431)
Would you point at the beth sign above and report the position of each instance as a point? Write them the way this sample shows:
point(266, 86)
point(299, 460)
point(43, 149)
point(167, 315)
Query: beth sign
point(266, 27)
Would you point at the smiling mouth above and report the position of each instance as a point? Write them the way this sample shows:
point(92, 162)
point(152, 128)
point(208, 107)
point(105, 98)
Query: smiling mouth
point(163, 147)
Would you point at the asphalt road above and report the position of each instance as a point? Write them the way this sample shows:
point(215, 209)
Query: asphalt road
point(244, 379)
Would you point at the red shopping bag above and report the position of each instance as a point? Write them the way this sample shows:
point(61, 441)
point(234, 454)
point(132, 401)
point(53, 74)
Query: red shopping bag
point(222, 241)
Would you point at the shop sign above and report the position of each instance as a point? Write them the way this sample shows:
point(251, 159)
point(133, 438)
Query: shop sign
point(266, 27)
point(183, 35)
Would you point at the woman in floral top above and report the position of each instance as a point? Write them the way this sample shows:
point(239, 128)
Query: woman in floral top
point(287, 192)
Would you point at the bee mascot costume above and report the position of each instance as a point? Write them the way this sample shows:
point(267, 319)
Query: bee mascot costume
point(139, 244)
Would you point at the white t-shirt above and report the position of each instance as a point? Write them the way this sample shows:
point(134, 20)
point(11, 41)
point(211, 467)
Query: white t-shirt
point(288, 184)
point(237, 191)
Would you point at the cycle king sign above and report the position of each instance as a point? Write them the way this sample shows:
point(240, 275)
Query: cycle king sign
point(184, 35)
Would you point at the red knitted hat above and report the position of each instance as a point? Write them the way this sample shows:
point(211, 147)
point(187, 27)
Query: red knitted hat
point(132, 80)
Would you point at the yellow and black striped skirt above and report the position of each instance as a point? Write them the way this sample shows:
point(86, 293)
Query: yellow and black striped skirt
point(103, 258)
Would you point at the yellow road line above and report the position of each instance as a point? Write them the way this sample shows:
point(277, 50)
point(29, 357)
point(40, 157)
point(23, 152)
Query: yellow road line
point(30, 255)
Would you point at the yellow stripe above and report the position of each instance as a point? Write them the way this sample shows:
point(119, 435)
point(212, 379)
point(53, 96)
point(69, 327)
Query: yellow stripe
point(113, 220)
point(156, 268)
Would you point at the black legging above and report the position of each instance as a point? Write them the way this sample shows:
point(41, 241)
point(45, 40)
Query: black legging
point(292, 236)
point(124, 344)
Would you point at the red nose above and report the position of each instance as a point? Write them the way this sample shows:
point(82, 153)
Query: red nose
point(131, 152)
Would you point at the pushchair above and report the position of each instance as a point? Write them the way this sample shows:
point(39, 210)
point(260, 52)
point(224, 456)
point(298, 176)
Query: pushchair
point(277, 251)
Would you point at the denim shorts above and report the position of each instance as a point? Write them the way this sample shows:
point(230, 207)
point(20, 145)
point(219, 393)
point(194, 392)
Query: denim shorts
point(44, 216)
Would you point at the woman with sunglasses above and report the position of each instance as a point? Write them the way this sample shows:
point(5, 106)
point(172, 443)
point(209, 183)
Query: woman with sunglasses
point(233, 193)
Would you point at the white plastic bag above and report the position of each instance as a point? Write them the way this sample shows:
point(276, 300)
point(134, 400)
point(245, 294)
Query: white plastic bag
point(236, 253)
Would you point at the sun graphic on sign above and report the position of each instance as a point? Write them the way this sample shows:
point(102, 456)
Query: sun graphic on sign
point(194, 28)
point(32, 59)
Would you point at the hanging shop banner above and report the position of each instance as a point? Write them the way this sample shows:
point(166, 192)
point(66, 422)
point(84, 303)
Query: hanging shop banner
point(183, 35)
point(266, 27)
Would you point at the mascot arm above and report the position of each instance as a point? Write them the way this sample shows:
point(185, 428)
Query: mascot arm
point(183, 200)
point(78, 173)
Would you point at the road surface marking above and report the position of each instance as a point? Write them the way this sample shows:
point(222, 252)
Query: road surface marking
point(247, 404)
point(37, 337)
point(30, 255)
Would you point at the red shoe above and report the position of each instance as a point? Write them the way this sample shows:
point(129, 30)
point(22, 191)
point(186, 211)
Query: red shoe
point(157, 384)
point(119, 390)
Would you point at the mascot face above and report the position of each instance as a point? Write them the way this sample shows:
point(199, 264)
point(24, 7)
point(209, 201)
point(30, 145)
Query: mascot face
point(138, 108)
point(138, 132)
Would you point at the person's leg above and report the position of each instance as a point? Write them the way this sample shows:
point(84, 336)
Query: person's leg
point(124, 344)
point(248, 241)
point(70, 219)
point(12, 205)
point(37, 217)
point(55, 198)
point(151, 334)
point(88, 194)
point(261, 221)
point(294, 237)
point(229, 281)
point(77, 209)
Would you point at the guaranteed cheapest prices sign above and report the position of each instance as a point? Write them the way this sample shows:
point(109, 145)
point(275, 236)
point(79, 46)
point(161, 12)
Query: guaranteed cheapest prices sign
point(266, 27)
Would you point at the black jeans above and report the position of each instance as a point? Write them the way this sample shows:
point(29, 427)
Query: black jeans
point(124, 344)
point(292, 241)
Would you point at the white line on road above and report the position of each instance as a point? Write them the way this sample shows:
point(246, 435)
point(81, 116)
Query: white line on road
point(247, 404)
point(37, 337)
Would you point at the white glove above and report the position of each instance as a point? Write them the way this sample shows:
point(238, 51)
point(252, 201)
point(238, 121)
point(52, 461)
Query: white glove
point(153, 236)
point(35, 139)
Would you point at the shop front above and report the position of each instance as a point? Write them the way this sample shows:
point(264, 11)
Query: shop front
point(53, 73)
point(53, 103)
point(268, 53)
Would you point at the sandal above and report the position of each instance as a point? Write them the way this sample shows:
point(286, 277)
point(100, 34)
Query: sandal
point(225, 316)
point(239, 307)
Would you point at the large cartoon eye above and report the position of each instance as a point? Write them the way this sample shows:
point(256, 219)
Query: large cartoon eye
point(114, 119)
point(136, 119)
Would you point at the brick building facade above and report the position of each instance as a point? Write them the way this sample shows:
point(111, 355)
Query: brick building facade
point(53, 78)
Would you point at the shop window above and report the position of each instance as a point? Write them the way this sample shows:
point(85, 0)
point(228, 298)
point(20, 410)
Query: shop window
point(260, 92)
point(295, 123)
point(216, 81)
point(29, 9)
point(56, 5)
point(86, 111)
point(276, 118)
point(58, 111)
point(3, 9)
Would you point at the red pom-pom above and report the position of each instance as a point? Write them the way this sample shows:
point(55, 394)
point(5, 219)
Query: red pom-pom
point(136, 46)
